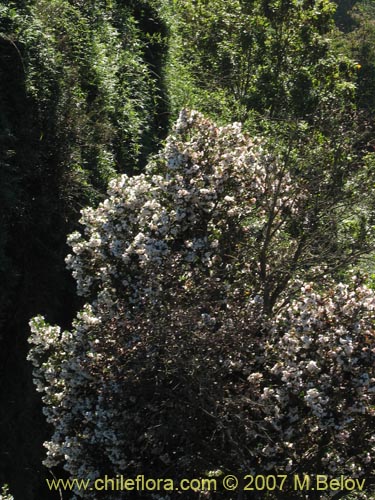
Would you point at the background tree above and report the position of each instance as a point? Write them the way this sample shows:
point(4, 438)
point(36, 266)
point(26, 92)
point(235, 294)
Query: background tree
point(270, 58)
point(359, 43)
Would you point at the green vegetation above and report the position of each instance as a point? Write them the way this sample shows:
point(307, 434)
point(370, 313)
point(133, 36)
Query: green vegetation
point(89, 90)
point(81, 98)
point(260, 59)
point(359, 42)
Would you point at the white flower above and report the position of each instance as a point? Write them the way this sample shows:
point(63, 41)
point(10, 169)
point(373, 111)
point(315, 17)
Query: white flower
point(312, 367)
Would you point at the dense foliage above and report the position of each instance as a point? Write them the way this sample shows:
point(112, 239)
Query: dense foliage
point(265, 58)
point(359, 41)
point(81, 96)
point(175, 365)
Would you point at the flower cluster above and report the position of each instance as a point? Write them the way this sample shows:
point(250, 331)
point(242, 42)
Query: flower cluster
point(5, 495)
point(208, 188)
point(175, 363)
point(318, 382)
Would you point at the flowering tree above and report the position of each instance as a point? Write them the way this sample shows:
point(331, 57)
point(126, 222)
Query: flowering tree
point(201, 346)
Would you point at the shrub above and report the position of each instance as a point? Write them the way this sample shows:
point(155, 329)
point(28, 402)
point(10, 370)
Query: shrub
point(200, 346)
